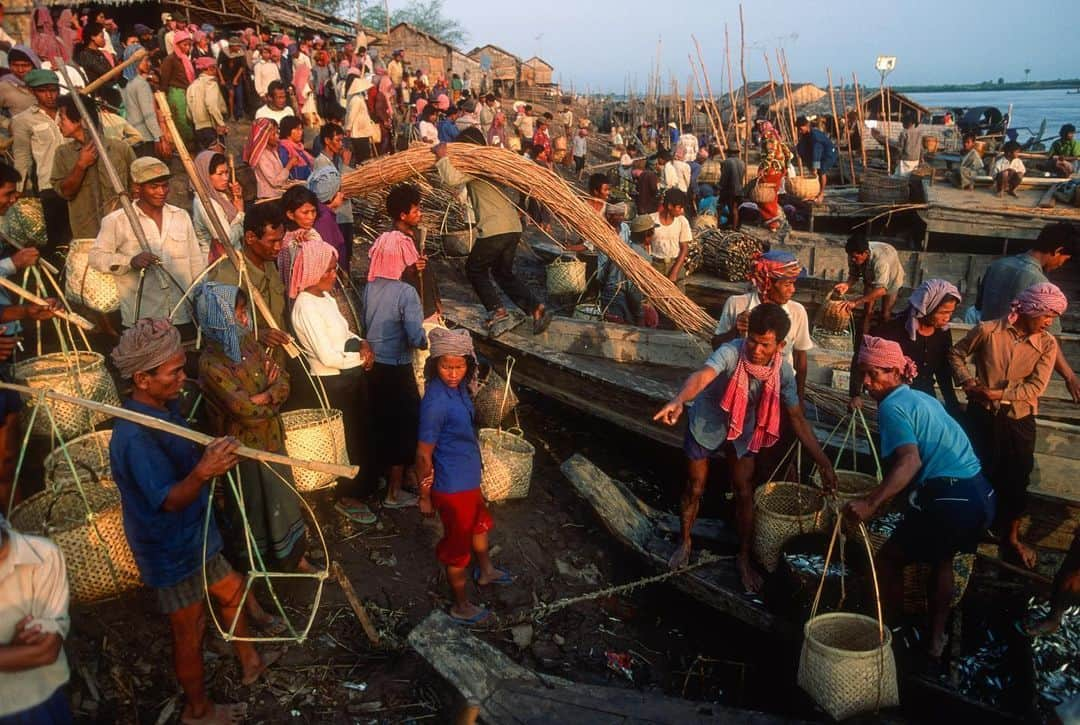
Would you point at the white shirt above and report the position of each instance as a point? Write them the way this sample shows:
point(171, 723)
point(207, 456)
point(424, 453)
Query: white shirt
point(175, 245)
point(264, 73)
point(33, 582)
point(689, 144)
point(266, 112)
point(666, 241)
point(798, 338)
point(683, 173)
point(428, 133)
point(1001, 163)
point(322, 331)
point(580, 145)
point(35, 138)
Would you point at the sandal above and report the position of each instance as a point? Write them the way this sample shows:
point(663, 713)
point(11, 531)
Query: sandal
point(403, 501)
point(360, 514)
point(505, 580)
point(479, 618)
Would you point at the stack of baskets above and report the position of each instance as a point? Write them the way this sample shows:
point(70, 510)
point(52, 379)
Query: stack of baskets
point(81, 374)
point(81, 513)
point(508, 463)
point(804, 187)
point(494, 400)
point(877, 187)
point(782, 510)
point(566, 276)
point(315, 434)
point(84, 284)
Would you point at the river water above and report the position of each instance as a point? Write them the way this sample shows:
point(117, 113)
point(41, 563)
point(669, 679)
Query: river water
point(1029, 107)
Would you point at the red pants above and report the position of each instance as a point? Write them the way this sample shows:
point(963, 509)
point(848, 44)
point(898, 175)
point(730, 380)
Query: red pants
point(463, 515)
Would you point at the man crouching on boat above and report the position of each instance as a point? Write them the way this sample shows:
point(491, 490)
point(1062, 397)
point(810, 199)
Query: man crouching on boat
point(951, 503)
point(736, 413)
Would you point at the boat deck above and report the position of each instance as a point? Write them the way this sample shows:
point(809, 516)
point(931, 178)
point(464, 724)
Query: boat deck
point(983, 213)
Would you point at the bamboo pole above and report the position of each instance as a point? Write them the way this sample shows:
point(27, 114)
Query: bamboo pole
point(73, 318)
point(354, 602)
point(234, 256)
point(708, 89)
point(847, 134)
point(116, 70)
point(705, 103)
point(731, 96)
point(862, 121)
point(836, 120)
point(746, 94)
point(18, 245)
point(772, 92)
point(885, 109)
point(334, 469)
point(781, 60)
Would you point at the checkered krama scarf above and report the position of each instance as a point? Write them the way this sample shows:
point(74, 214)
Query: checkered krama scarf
point(736, 398)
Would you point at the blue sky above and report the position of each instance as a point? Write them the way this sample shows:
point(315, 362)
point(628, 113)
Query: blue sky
point(598, 44)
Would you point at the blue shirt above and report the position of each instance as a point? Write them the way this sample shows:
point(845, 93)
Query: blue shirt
point(446, 420)
point(393, 320)
point(146, 464)
point(817, 150)
point(1003, 282)
point(908, 417)
point(708, 422)
point(448, 130)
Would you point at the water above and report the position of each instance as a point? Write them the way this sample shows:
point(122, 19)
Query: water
point(1029, 107)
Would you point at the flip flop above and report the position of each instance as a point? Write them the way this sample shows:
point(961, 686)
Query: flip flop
point(404, 501)
point(479, 618)
point(356, 514)
point(505, 580)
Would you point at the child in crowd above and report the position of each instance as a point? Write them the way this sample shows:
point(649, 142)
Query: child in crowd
point(403, 206)
point(448, 467)
point(971, 165)
point(1008, 170)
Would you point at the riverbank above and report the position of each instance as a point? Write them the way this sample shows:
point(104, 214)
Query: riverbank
point(1065, 83)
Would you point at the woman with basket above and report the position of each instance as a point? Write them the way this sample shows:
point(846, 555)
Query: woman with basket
point(951, 502)
point(448, 467)
point(771, 172)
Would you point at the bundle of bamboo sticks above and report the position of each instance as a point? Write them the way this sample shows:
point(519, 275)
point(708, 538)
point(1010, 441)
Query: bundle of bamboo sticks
point(440, 208)
point(505, 167)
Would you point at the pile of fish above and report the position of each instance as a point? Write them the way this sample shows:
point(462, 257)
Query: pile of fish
point(813, 564)
point(885, 525)
point(1057, 656)
point(983, 675)
point(728, 254)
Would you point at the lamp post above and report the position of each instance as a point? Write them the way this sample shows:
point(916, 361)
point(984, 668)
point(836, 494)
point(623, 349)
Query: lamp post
point(885, 65)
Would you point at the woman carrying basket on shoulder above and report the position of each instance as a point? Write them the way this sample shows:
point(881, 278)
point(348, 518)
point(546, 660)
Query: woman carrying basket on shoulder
point(773, 168)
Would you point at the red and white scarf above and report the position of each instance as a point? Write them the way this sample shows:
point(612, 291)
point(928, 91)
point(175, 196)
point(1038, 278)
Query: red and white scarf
point(737, 396)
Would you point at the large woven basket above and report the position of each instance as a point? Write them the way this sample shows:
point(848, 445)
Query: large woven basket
point(86, 285)
point(853, 485)
point(508, 464)
point(493, 401)
point(804, 187)
point(847, 664)
point(762, 193)
point(783, 510)
point(833, 316)
point(877, 187)
point(566, 277)
point(916, 576)
point(99, 561)
point(81, 374)
point(24, 223)
point(315, 434)
point(840, 342)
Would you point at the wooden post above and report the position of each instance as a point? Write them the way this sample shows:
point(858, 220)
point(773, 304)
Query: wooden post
point(772, 92)
point(235, 257)
point(847, 133)
point(355, 603)
point(836, 121)
point(731, 97)
point(111, 73)
point(706, 104)
point(781, 59)
point(708, 89)
point(862, 121)
point(888, 127)
point(746, 94)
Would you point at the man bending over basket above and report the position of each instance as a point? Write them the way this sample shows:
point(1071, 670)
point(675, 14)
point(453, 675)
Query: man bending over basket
point(735, 414)
point(164, 495)
point(950, 502)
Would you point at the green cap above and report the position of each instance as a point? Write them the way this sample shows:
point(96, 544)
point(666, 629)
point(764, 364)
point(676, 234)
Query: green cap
point(39, 77)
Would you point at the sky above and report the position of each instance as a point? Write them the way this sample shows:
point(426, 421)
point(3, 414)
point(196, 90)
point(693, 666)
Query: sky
point(598, 45)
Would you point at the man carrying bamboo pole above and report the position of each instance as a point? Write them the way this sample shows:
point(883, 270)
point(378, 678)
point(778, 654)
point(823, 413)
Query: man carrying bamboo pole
point(164, 493)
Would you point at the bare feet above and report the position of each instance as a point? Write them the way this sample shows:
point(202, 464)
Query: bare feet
point(306, 566)
point(218, 715)
point(253, 673)
point(681, 557)
point(751, 580)
point(1012, 194)
point(1025, 552)
point(493, 576)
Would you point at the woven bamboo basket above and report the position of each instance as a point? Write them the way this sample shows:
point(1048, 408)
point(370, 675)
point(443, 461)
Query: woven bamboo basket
point(930, 144)
point(493, 401)
point(804, 187)
point(559, 143)
point(82, 374)
point(847, 664)
point(762, 193)
point(514, 143)
point(877, 187)
point(99, 561)
point(853, 485)
point(86, 285)
point(916, 575)
point(24, 223)
point(833, 316)
point(783, 510)
point(315, 434)
point(588, 311)
point(566, 277)
point(508, 464)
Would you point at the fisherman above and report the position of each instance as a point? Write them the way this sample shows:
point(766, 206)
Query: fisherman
point(671, 242)
point(164, 493)
point(34, 623)
point(1014, 359)
point(909, 148)
point(817, 151)
point(1065, 594)
point(737, 398)
point(971, 166)
point(878, 266)
point(1007, 277)
point(1008, 170)
point(621, 300)
point(922, 331)
point(730, 191)
point(647, 188)
point(774, 276)
point(151, 281)
point(1064, 153)
point(951, 502)
point(498, 231)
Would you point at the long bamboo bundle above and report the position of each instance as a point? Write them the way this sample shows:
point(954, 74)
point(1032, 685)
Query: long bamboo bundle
point(505, 167)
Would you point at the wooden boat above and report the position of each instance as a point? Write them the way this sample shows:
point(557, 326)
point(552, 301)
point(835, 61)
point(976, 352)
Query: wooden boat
point(633, 523)
point(502, 691)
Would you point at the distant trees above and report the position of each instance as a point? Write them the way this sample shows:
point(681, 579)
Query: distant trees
point(427, 15)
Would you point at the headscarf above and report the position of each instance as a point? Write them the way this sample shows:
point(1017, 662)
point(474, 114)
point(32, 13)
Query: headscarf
point(145, 345)
point(312, 260)
point(386, 87)
point(297, 149)
point(215, 309)
point(390, 255)
point(458, 343)
point(1039, 299)
point(886, 354)
point(259, 138)
point(204, 62)
point(68, 34)
point(301, 76)
point(324, 183)
point(770, 267)
point(442, 102)
point(45, 42)
point(737, 396)
point(202, 168)
point(132, 70)
point(28, 54)
point(925, 299)
point(189, 69)
point(275, 54)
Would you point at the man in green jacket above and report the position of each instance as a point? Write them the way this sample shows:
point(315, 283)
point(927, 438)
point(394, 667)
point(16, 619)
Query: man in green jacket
point(1064, 152)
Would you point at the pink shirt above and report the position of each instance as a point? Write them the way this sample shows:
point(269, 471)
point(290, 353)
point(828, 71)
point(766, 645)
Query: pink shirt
point(270, 175)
